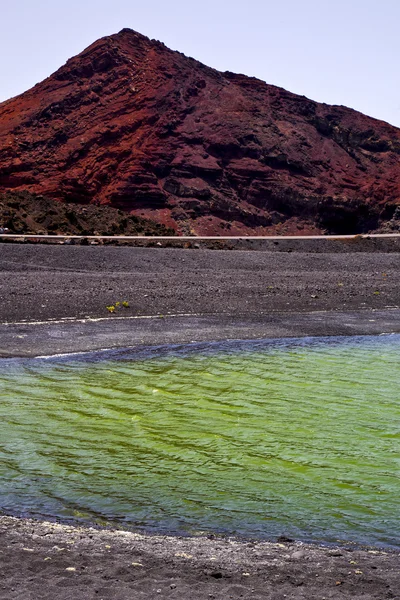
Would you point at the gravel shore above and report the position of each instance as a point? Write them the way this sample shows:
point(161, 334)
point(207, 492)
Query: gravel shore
point(52, 282)
point(54, 298)
point(51, 561)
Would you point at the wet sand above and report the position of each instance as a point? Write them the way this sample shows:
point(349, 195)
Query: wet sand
point(94, 334)
point(215, 295)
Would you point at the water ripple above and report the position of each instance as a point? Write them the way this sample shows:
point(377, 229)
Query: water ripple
point(295, 437)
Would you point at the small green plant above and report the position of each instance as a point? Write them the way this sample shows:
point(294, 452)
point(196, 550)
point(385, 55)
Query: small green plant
point(117, 306)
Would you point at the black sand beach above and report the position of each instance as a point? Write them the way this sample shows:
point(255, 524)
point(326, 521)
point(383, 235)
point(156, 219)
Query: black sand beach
point(54, 298)
point(41, 282)
point(51, 561)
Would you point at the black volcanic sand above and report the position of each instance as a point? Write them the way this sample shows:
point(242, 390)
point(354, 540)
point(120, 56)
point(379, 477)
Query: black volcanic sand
point(50, 561)
point(51, 282)
point(226, 295)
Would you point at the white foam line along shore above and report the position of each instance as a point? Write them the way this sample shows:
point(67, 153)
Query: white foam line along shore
point(72, 354)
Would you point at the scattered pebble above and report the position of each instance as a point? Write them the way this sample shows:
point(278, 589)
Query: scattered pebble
point(183, 555)
point(335, 553)
point(298, 554)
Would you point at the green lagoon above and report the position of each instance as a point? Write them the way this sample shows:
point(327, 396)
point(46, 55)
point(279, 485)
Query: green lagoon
point(295, 437)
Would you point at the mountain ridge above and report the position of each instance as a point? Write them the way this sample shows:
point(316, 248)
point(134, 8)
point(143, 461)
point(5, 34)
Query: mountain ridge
point(131, 124)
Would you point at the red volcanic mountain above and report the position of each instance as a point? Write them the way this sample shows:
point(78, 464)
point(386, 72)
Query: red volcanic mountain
point(132, 124)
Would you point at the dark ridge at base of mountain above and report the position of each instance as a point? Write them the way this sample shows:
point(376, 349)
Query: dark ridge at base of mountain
point(131, 124)
point(26, 213)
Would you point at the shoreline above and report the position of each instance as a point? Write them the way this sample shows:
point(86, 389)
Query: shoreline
point(75, 335)
point(115, 564)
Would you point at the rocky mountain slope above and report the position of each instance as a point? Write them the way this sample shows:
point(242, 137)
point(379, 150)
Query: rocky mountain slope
point(131, 124)
point(23, 212)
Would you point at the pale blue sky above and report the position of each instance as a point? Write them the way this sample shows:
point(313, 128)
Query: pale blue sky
point(335, 51)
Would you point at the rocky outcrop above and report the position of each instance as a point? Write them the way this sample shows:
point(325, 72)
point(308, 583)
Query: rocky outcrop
point(131, 124)
point(26, 213)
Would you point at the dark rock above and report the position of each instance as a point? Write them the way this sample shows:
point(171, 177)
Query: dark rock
point(283, 539)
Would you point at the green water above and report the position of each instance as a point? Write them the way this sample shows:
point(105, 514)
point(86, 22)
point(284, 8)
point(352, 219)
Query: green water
point(295, 437)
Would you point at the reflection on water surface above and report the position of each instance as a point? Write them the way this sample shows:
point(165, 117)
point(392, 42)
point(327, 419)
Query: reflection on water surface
point(295, 437)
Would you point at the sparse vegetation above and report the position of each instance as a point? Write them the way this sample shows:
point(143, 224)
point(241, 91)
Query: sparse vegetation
point(26, 213)
point(112, 308)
